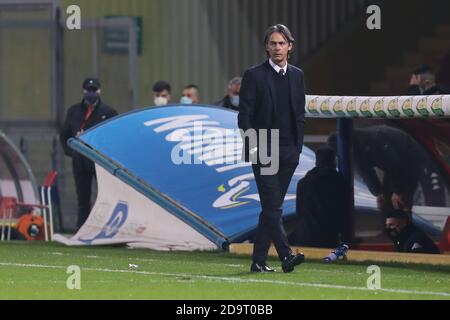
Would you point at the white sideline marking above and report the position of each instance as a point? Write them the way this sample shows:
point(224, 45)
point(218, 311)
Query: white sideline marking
point(232, 279)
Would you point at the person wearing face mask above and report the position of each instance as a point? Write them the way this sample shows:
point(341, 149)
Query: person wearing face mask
point(161, 93)
point(407, 237)
point(190, 94)
point(231, 100)
point(423, 82)
point(80, 117)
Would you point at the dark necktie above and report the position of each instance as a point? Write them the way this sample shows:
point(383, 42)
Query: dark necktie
point(281, 72)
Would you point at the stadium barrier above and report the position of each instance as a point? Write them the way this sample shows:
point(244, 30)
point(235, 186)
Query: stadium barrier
point(378, 107)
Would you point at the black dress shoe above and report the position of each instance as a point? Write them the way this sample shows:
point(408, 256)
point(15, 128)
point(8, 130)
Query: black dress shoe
point(257, 267)
point(291, 261)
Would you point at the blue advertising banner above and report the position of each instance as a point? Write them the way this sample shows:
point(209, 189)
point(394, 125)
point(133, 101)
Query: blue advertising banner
point(188, 160)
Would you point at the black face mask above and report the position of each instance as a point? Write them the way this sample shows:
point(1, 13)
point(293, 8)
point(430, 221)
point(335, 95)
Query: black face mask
point(91, 97)
point(392, 233)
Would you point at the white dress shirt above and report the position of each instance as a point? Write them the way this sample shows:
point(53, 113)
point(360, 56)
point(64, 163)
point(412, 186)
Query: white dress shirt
point(276, 67)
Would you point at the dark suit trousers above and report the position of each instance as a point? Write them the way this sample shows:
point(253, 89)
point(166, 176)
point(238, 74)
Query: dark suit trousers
point(272, 190)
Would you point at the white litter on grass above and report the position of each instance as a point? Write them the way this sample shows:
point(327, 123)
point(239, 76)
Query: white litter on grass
point(132, 266)
point(237, 280)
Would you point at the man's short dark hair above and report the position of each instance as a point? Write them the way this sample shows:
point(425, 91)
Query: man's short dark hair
point(161, 86)
point(325, 157)
point(192, 86)
point(423, 69)
point(281, 28)
point(332, 141)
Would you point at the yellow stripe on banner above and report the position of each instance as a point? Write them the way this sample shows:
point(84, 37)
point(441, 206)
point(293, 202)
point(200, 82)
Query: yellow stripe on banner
point(355, 255)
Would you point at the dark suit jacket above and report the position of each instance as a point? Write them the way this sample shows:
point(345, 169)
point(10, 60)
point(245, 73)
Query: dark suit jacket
point(257, 100)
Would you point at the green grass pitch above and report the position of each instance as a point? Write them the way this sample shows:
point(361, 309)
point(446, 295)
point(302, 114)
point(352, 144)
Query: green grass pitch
point(39, 271)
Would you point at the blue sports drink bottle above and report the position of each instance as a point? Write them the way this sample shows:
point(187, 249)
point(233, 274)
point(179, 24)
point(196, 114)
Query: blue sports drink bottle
point(338, 254)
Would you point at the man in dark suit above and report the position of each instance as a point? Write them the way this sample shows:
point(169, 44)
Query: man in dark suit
point(272, 100)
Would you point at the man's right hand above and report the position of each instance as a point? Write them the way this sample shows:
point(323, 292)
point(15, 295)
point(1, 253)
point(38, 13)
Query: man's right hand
point(400, 201)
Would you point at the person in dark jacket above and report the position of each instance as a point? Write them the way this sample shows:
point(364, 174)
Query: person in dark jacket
point(423, 82)
point(272, 98)
point(443, 75)
point(321, 204)
point(231, 100)
point(406, 236)
point(391, 163)
point(80, 117)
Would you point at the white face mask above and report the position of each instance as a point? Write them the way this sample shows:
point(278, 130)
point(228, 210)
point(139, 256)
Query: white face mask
point(160, 101)
point(185, 100)
point(235, 100)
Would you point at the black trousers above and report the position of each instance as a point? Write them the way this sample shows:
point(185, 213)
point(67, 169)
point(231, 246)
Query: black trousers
point(272, 190)
point(84, 173)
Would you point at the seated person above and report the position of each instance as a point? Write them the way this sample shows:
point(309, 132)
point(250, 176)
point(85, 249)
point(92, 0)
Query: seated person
point(321, 204)
point(406, 236)
point(423, 82)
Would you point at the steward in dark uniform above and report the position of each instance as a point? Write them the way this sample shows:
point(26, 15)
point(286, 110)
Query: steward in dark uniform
point(80, 117)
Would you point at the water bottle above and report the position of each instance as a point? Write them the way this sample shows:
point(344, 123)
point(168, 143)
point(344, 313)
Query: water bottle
point(338, 254)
